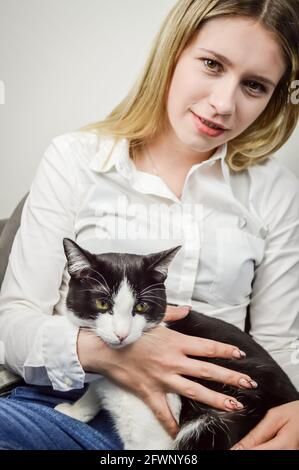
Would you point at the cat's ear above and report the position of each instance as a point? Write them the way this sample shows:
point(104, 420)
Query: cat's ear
point(160, 261)
point(77, 259)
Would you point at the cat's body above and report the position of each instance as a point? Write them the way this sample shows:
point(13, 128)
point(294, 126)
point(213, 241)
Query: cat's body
point(201, 427)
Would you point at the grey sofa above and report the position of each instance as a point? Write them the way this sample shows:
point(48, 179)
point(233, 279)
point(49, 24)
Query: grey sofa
point(2, 223)
point(8, 230)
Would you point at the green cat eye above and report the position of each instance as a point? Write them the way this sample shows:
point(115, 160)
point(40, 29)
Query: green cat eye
point(141, 307)
point(102, 305)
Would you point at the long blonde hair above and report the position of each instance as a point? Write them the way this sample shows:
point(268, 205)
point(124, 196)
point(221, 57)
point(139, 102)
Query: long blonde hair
point(142, 113)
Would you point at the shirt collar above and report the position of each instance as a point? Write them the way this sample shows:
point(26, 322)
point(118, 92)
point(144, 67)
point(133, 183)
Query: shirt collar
point(115, 153)
point(110, 153)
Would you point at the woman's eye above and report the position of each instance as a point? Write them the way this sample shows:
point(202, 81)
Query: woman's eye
point(210, 63)
point(141, 307)
point(260, 88)
point(255, 87)
point(102, 305)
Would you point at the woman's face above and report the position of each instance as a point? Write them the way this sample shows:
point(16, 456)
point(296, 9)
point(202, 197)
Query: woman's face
point(227, 92)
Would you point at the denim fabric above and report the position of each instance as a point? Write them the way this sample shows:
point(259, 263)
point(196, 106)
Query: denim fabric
point(29, 422)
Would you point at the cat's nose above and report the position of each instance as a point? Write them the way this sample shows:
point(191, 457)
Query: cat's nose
point(122, 337)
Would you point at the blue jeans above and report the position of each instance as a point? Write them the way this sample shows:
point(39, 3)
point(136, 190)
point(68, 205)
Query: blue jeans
point(29, 422)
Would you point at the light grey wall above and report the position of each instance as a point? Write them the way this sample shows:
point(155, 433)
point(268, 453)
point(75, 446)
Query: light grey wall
point(65, 63)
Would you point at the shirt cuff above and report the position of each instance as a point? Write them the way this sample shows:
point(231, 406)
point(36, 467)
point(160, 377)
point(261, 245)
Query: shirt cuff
point(54, 357)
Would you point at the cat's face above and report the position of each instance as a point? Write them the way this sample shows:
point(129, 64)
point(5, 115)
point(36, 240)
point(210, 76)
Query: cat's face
point(117, 295)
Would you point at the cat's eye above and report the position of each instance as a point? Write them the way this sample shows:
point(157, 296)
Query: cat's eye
point(141, 307)
point(102, 305)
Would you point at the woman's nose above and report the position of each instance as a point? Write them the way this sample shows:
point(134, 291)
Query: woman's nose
point(223, 98)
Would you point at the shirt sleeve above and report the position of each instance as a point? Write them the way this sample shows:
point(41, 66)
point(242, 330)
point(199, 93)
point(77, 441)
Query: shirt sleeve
point(35, 343)
point(274, 307)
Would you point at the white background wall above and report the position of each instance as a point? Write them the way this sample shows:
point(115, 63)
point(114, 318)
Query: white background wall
point(66, 63)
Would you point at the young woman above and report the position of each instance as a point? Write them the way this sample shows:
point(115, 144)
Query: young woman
point(198, 130)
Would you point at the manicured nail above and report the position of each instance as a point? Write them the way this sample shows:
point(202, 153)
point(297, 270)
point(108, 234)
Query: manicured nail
point(248, 383)
point(238, 354)
point(233, 404)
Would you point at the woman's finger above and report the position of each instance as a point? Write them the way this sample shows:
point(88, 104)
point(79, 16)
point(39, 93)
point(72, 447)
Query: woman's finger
point(159, 406)
point(208, 371)
point(198, 392)
point(193, 346)
point(278, 443)
point(265, 430)
point(176, 313)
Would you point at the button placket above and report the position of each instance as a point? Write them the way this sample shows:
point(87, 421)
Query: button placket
point(192, 249)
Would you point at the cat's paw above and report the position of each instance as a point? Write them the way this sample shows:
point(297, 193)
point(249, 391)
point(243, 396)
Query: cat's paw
point(74, 412)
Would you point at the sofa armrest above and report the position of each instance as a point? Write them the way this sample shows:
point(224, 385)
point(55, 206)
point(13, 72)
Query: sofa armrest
point(7, 236)
point(2, 224)
point(8, 229)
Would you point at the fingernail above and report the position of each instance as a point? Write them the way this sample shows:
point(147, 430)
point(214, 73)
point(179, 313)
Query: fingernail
point(233, 404)
point(238, 354)
point(248, 383)
point(237, 447)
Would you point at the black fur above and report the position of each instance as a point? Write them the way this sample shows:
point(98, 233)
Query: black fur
point(222, 429)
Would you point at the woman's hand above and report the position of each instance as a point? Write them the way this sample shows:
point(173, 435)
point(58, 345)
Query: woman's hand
point(278, 430)
point(155, 364)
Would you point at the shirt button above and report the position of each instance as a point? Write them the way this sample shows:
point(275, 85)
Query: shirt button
point(263, 232)
point(242, 221)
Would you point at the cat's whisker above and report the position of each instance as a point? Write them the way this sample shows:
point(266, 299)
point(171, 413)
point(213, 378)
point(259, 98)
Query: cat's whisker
point(147, 296)
point(152, 285)
point(157, 300)
point(153, 289)
point(157, 303)
point(100, 274)
point(100, 284)
point(95, 290)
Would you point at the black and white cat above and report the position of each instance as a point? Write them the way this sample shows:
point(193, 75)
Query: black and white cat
point(119, 296)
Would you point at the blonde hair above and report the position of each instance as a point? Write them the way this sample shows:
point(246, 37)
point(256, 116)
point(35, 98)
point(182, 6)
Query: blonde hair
point(142, 113)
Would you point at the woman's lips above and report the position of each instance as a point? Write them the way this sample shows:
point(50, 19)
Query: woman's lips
point(203, 128)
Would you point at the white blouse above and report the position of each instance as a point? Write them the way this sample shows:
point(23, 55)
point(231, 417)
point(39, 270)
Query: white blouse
point(240, 247)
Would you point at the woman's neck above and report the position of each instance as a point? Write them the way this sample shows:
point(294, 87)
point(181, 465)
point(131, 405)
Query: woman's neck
point(168, 161)
point(167, 153)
